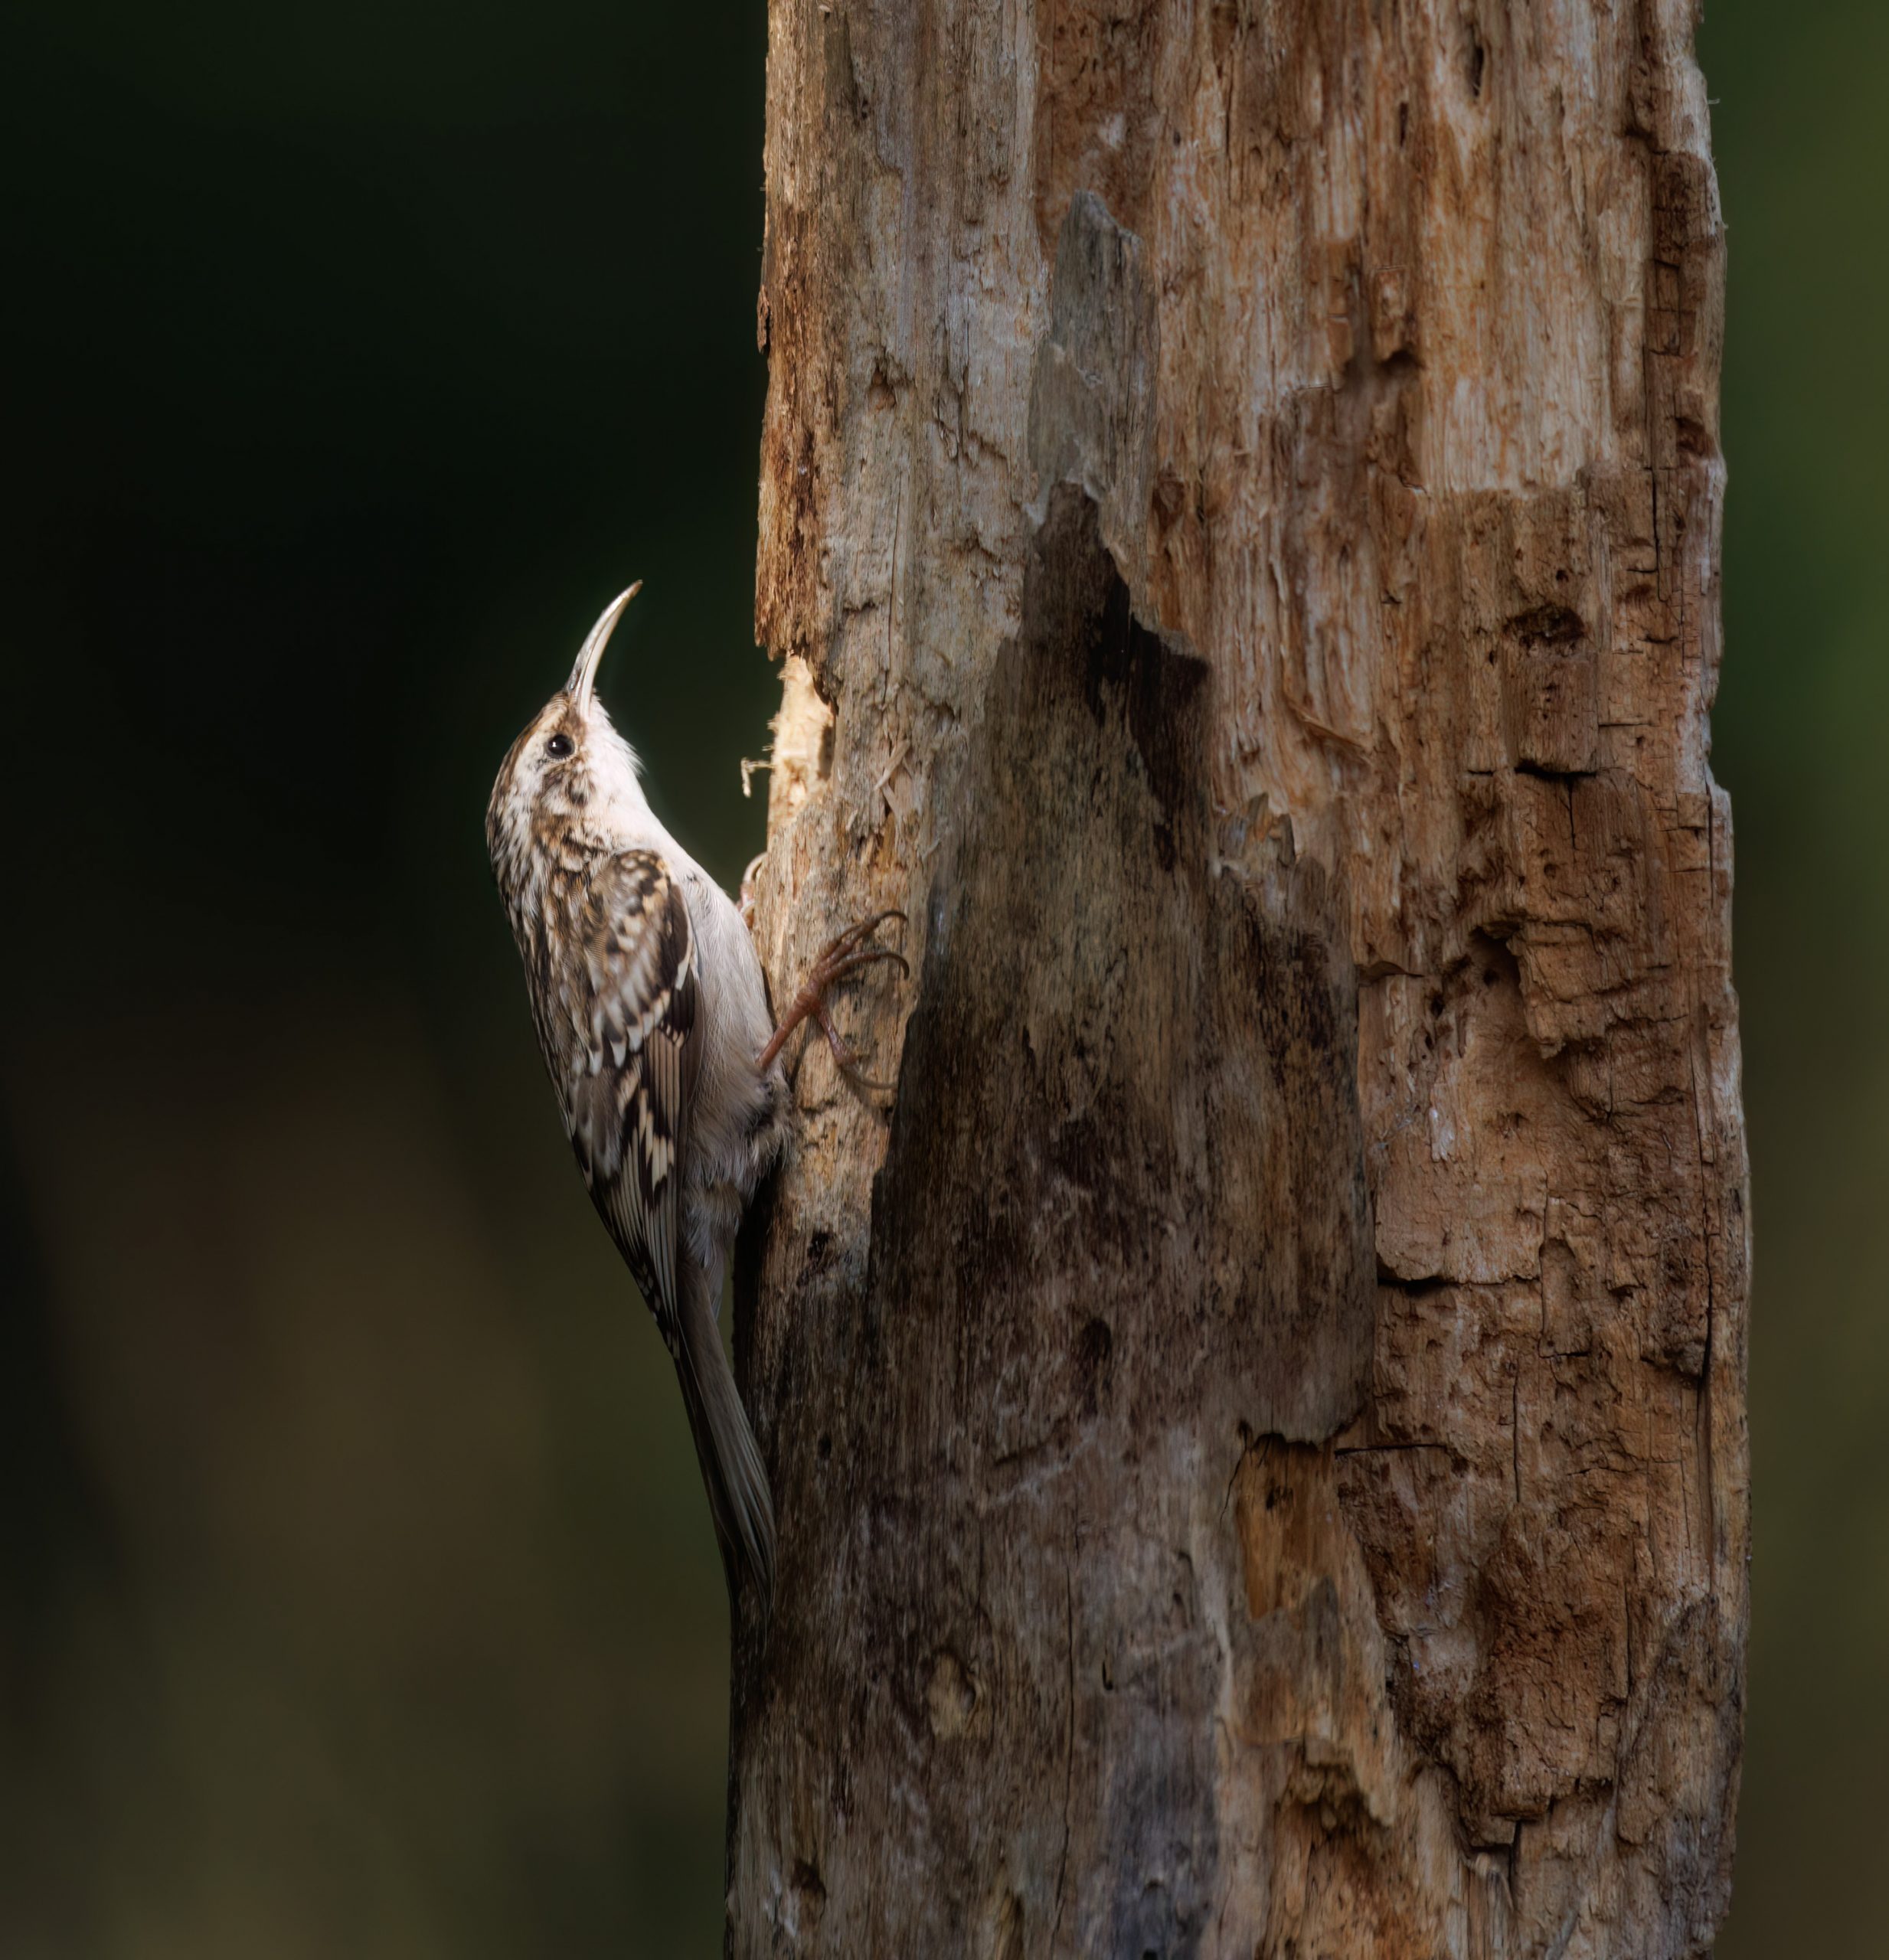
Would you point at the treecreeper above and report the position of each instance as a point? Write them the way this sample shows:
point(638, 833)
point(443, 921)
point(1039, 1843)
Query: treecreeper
point(652, 1014)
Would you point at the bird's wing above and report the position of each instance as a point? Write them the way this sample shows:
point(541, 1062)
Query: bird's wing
point(630, 1051)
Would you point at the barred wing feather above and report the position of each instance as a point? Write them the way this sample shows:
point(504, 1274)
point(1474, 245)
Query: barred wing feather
point(629, 1018)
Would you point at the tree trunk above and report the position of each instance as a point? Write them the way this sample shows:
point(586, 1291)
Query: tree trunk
point(1257, 1419)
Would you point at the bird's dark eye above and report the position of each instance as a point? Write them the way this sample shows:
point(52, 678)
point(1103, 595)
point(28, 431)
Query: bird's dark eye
point(558, 746)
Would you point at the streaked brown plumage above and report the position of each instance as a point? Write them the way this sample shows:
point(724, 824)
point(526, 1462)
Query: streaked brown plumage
point(651, 1013)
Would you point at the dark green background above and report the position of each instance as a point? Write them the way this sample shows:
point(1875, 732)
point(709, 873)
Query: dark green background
point(357, 1594)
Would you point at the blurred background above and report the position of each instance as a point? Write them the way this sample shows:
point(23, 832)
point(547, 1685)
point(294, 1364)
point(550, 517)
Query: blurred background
point(355, 1595)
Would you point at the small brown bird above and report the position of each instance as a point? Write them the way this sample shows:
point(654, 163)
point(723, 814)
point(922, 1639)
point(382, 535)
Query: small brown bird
point(651, 1013)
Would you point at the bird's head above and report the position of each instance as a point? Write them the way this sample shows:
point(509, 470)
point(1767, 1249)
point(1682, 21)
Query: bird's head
point(570, 770)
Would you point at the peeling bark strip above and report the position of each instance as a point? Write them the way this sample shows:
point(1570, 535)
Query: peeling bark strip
point(1259, 1434)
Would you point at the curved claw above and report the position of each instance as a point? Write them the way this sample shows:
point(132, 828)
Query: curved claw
point(855, 935)
point(847, 1062)
point(852, 962)
point(847, 954)
point(744, 904)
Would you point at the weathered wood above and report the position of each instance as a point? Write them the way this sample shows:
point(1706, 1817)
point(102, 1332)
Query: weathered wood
point(1258, 1425)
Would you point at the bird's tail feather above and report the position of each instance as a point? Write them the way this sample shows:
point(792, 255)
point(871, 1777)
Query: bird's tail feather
point(732, 1469)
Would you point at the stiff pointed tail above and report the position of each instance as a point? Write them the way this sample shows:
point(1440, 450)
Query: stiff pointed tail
point(732, 1470)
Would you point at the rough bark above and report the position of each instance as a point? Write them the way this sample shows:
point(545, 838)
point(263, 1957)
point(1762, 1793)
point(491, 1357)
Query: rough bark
point(1257, 1421)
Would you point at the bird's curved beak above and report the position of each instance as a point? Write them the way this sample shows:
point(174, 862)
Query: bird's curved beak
point(583, 681)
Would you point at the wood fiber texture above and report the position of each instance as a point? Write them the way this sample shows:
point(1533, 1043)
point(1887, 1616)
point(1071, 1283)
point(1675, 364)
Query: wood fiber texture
point(1257, 1421)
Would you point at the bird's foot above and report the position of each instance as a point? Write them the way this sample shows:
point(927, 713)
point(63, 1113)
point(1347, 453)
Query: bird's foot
point(846, 955)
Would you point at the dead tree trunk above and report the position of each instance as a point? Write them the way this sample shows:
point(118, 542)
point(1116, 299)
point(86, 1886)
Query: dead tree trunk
point(1258, 1424)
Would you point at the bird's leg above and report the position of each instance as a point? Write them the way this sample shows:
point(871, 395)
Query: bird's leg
point(845, 954)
